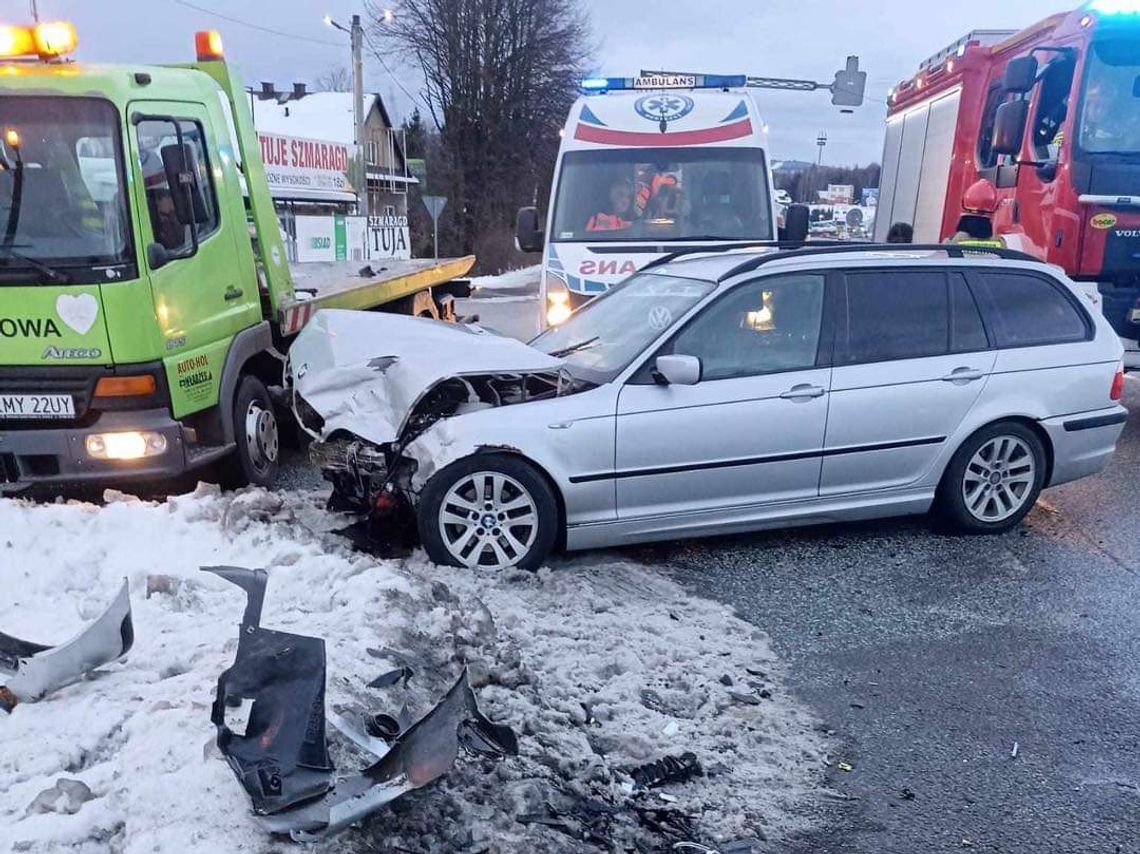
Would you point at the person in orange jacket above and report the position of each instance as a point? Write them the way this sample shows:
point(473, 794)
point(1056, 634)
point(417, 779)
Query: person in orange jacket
point(620, 214)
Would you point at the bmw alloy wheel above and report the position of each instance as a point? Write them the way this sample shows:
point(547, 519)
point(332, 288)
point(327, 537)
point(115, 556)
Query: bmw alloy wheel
point(488, 520)
point(999, 479)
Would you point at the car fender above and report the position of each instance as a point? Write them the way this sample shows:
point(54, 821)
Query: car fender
point(564, 437)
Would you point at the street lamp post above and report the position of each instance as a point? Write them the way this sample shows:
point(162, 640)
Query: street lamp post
point(356, 37)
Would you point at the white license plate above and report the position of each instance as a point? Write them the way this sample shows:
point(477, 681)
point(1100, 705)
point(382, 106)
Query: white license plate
point(1134, 315)
point(36, 406)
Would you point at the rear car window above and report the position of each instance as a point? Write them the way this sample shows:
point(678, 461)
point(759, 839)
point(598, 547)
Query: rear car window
point(1027, 310)
point(896, 314)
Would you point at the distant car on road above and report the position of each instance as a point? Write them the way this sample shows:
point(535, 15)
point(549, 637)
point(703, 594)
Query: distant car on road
point(725, 393)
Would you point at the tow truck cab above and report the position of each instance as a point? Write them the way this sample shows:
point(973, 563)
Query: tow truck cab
point(146, 298)
point(1050, 116)
point(646, 166)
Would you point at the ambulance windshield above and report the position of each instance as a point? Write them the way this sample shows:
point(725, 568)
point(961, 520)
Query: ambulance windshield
point(62, 201)
point(1110, 110)
point(655, 194)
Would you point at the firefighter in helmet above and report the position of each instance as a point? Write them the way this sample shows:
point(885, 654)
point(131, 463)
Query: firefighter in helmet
point(976, 225)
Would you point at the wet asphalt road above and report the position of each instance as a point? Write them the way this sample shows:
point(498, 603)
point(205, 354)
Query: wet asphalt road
point(929, 656)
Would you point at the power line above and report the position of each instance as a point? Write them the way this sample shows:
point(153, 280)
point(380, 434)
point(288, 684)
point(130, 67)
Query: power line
point(395, 79)
point(253, 26)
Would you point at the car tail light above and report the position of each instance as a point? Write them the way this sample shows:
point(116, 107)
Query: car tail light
point(1117, 385)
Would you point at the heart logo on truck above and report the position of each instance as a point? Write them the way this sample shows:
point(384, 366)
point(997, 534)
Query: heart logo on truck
point(78, 312)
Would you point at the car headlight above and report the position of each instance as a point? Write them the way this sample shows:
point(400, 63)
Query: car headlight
point(557, 299)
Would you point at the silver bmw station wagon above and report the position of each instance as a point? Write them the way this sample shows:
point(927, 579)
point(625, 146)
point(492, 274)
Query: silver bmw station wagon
point(719, 394)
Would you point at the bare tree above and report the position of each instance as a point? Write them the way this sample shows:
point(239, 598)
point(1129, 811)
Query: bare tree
point(500, 76)
point(336, 79)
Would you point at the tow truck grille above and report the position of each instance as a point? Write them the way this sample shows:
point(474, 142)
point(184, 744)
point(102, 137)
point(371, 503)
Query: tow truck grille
point(77, 382)
point(9, 473)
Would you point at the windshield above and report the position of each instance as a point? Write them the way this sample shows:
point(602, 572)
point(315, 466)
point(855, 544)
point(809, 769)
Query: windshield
point(62, 200)
point(663, 194)
point(1110, 111)
point(610, 331)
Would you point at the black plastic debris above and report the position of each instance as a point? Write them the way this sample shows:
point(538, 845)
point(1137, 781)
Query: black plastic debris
point(668, 769)
point(281, 755)
point(30, 671)
point(387, 680)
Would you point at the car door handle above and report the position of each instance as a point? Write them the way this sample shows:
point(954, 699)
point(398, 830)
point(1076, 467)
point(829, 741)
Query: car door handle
point(963, 375)
point(803, 391)
point(233, 294)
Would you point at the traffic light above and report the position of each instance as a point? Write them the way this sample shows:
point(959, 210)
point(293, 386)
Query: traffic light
point(847, 90)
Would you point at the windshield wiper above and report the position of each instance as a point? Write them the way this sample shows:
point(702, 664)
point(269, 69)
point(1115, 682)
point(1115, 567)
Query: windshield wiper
point(573, 348)
point(55, 275)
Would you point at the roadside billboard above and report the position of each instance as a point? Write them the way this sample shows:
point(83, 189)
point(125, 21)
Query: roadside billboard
point(388, 237)
point(329, 238)
point(300, 168)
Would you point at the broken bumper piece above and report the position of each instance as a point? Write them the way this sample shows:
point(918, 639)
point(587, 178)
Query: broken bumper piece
point(281, 758)
point(30, 671)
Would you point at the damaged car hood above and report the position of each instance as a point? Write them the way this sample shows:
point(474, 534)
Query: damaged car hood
point(364, 372)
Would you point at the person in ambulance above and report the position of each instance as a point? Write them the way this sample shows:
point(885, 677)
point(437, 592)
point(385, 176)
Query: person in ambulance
point(620, 213)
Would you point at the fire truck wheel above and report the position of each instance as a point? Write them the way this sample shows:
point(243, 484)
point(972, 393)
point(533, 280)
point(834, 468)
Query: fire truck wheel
point(256, 459)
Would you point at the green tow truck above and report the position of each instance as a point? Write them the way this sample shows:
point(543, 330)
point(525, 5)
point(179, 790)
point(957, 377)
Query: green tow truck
point(146, 300)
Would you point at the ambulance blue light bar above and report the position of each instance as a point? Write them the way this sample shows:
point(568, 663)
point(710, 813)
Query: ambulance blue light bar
point(594, 85)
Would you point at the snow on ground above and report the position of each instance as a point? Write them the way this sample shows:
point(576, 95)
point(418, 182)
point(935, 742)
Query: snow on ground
point(525, 278)
point(599, 665)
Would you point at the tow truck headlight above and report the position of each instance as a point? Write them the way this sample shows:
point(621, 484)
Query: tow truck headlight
point(132, 445)
point(557, 299)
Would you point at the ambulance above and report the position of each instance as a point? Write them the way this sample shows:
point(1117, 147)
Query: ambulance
point(648, 166)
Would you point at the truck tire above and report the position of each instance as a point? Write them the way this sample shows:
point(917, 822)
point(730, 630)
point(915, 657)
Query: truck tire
point(488, 512)
point(993, 479)
point(256, 459)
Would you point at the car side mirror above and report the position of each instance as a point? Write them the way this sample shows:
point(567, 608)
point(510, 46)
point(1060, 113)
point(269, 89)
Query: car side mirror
point(157, 256)
point(528, 233)
point(1020, 75)
point(180, 164)
point(1009, 127)
point(677, 370)
point(797, 219)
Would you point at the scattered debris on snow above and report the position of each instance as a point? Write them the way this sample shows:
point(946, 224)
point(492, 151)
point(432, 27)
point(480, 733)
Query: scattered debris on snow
point(585, 661)
point(32, 671)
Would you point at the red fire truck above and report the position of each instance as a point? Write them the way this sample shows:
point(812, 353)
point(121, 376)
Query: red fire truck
point(1050, 117)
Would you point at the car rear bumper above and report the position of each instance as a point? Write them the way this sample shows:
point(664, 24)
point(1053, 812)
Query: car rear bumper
point(1083, 443)
point(59, 455)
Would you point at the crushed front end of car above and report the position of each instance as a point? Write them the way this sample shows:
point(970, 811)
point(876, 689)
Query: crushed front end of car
point(365, 386)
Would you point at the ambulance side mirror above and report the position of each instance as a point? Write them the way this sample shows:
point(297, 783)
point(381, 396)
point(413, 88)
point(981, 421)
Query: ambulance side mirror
point(1009, 127)
point(1020, 75)
point(528, 232)
point(796, 221)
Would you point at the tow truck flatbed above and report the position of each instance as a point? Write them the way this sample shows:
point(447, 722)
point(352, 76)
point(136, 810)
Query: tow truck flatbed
point(346, 284)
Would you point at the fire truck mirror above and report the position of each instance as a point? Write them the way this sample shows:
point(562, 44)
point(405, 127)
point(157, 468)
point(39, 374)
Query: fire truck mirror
point(1020, 75)
point(1009, 127)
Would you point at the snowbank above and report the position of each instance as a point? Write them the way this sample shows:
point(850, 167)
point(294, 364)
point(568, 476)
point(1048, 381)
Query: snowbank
point(598, 666)
point(525, 278)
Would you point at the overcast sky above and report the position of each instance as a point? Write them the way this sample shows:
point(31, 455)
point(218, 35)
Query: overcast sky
point(786, 38)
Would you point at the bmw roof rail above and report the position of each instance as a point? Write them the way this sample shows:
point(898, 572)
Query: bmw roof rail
point(952, 250)
point(728, 246)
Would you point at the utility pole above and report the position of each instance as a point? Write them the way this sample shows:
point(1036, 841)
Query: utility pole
point(357, 35)
point(821, 141)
